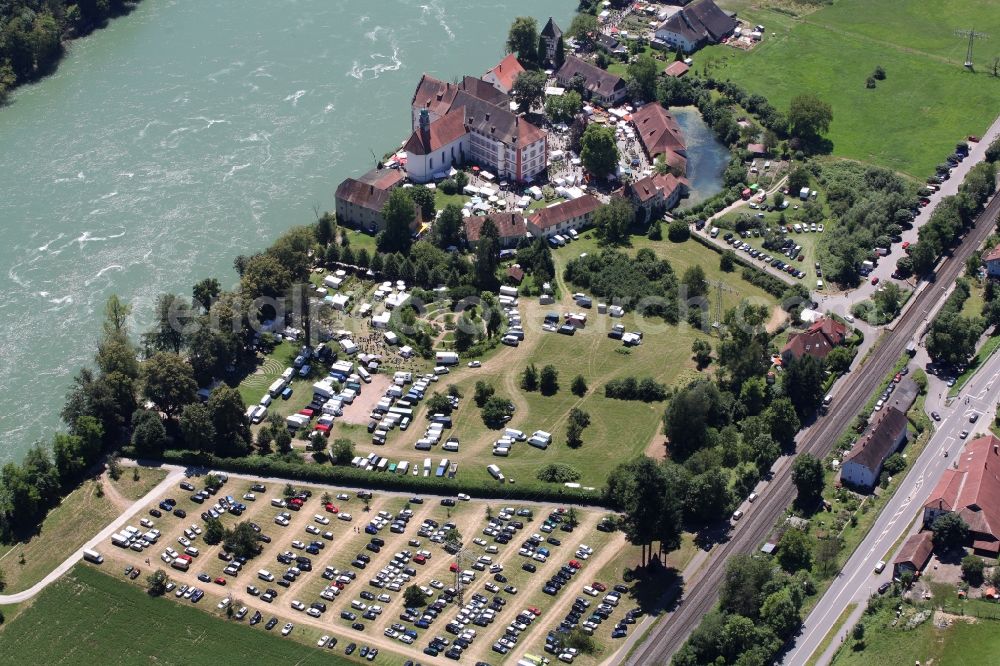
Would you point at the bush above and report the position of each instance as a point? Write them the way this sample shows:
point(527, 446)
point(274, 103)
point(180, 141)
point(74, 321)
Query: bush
point(448, 186)
point(496, 411)
point(629, 388)
point(678, 231)
point(558, 473)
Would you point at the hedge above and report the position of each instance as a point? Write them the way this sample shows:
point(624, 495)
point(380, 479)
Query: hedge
point(342, 475)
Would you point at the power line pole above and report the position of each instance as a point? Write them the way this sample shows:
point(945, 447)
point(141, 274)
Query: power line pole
point(972, 36)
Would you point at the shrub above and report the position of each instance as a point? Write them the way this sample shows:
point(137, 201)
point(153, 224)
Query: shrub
point(629, 388)
point(678, 231)
point(558, 473)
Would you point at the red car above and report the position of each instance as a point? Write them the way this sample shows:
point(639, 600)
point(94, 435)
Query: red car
point(453, 567)
point(533, 610)
point(906, 245)
point(419, 559)
point(574, 564)
point(875, 280)
point(331, 508)
point(600, 587)
point(220, 581)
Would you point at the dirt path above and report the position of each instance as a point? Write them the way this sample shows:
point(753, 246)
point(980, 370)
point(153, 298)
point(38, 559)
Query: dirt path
point(112, 493)
point(778, 317)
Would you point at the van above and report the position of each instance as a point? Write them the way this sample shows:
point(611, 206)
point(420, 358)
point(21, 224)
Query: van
point(280, 503)
point(265, 576)
point(441, 370)
point(93, 556)
point(715, 232)
point(515, 434)
point(365, 375)
point(192, 551)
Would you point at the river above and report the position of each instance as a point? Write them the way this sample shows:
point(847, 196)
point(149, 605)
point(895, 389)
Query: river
point(190, 132)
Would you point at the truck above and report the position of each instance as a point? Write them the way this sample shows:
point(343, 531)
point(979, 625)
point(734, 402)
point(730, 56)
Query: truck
point(93, 556)
point(446, 358)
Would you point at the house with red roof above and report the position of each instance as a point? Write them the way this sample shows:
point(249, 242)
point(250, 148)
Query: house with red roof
point(561, 217)
point(676, 69)
point(655, 194)
point(438, 97)
point(971, 489)
point(992, 261)
point(818, 340)
point(503, 75)
point(511, 227)
point(863, 465)
point(660, 135)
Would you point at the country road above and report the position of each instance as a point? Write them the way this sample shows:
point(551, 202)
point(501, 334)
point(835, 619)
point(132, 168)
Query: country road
point(852, 392)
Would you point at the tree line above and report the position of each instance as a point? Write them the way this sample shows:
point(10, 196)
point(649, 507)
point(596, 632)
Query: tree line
point(32, 34)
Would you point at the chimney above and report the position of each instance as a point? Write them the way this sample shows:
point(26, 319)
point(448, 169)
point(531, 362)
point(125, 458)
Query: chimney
point(425, 128)
point(996, 450)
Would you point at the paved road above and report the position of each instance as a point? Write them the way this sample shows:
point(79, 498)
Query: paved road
point(852, 392)
point(858, 580)
point(100, 538)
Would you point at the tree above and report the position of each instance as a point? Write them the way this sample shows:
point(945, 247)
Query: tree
point(242, 541)
point(678, 231)
point(655, 232)
point(708, 497)
point(950, 531)
point(484, 390)
point(495, 412)
point(744, 584)
point(598, 151)
point(173, 313)
point(149, 437)
point(727, 262)
point(529, 378)
point(156, 583)
point(702, 350)
point(582, 29)
point(197, 428)
point(695, 282)
point(794, 550)
point(808, 118)
point(215, 532)
point(414, 597)
point(689, 415)
point(972, 570)
point(265, 277)
point(649, 495)
point(116, 314)
point(952, 338)
point(448, 227)
point(780, 612)
point(438, 404)
point(839, 360)
point(528, 89)
point(232, 429)
point(487, 255)
point(642, 75)
point(798, 178)
point(423, 199)
point(399, 214)
point(613, 220)
point(563, 108)
point(342, 451)
point(205, 292)
point(803, 383)
point(549, 381)
point(560, 56)
point(579, 386)
point(522, 39)
point(807, 474)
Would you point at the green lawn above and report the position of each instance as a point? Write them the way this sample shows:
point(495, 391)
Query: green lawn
point(912, 120)
point(79, 516)
point(987, 350)
point(441, 199)
point(89, 617)
point(135, 482)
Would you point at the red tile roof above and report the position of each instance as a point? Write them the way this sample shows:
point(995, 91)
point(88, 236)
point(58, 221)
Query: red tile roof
point(437, 96)
point(440, 133)
point(756, 148)
point(879, 441)
point(509, 225)
point(676, 68)
point(993, 255)
point(660, 134)
point(371, 190)
point(515, 273)
point(596, 80)
point(652, 186)
point(973, 489)
point(506, 71)
point(553, 215)
point(916, 551)
point(818, 340)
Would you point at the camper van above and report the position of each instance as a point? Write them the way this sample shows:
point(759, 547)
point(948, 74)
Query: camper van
point(365, 375)
point(515, 434)
point(93, 556)
point(495, 472)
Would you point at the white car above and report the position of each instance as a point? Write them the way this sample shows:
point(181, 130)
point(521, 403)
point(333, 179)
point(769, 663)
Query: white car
point(464, 497)
point(475, 364)
point(287, 629)
point(343, 497)
point(324, 639)
point(222, 604)
point(298, 544)
point(312, 529)
point(183, 541)
point(250, 497)
point(752, 497)
point(344, 516)
point(322, 520)
point(298, 605)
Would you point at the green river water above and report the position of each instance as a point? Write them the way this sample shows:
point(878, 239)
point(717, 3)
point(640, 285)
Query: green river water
point(187, 133)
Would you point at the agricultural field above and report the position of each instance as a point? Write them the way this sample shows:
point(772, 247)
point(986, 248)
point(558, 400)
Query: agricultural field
point(913, 118)
point(80, 515)
point(343, 539)
point(100, 619)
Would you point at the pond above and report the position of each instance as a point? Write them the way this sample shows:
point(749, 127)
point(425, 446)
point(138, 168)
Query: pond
point(707, 158)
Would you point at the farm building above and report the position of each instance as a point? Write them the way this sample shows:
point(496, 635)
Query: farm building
point(972, 490)
point(700, 23)
point(676, 69)
point(914, 554)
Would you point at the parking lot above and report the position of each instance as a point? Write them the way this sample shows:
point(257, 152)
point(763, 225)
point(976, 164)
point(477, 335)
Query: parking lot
point(325, 588)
